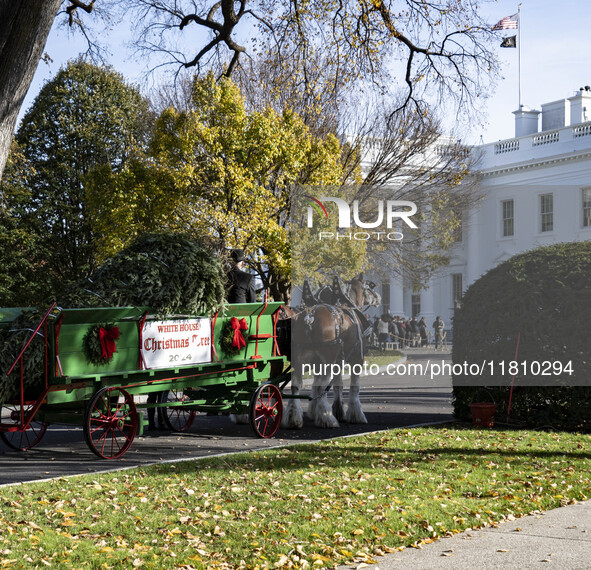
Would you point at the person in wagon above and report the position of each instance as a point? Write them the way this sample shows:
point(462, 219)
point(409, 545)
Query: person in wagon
point(241, 284)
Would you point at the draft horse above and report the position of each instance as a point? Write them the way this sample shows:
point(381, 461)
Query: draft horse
point(322, 336)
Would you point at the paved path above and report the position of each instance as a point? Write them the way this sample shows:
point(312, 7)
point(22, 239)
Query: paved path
point(388, 402)
point(560, 539)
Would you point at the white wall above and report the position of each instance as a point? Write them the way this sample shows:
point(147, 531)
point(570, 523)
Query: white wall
point(557, 163)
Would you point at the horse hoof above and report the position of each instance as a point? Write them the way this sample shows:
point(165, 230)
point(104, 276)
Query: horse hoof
point(292, 422)
point(356, 417)
point(329, 422)
point(293, 415)
point(339, 413)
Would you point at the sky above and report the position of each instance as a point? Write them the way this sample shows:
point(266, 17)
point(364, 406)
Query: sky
point(555, 60)
point(555, 57)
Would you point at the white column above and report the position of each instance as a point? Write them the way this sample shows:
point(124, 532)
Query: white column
point(396, 296)
point(427, 305)
point(472, 249)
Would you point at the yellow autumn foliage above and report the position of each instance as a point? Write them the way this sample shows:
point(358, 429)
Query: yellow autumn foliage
point(219, 170)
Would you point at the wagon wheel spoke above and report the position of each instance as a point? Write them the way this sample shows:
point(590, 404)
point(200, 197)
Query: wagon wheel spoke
point(115, 441)
point(266, 409)
point(25, 437)
point(262, 425)
point(111, 422)
point(105, 404)
point(176, 418)
point(103, 441)
point(119, 408)
point(34, 434)
point(124, 434)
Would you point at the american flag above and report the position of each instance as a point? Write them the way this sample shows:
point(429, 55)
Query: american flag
point(507, 23)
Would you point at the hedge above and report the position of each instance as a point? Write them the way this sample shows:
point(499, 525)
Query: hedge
point(544, 297)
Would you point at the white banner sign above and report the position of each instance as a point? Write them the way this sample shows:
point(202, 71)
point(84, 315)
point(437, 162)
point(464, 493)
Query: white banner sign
point(168, 344)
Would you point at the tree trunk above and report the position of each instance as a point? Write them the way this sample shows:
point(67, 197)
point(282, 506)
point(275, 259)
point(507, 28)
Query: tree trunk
point(279, 290)
point(24, 27)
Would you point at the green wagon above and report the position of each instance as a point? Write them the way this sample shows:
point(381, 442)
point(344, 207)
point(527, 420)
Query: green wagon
point(228, 363)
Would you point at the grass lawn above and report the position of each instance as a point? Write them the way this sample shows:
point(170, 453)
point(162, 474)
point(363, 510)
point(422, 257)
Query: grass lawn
point(310, 506)
point(383, 358)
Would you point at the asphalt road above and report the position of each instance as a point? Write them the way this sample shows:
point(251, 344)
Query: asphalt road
point(388, 402)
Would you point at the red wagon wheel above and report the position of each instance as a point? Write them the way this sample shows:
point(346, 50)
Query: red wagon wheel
point(21, 439)
point(266, 410)
point(176, 418)
point(110, 422)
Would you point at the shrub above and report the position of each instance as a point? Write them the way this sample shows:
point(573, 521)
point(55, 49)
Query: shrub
point(544, 295)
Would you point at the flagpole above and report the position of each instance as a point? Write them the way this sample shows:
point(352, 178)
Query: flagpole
point(519, 52)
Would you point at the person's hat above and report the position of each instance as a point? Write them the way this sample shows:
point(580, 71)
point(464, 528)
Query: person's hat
point(238, 255)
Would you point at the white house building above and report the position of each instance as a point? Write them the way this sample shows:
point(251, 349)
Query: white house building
point(537, 191)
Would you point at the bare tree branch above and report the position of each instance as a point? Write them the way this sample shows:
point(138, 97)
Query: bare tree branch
point(444, 47)
point(74, 5)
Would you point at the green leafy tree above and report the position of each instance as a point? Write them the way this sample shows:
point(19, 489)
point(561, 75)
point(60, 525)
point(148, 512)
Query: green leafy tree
point(19, 281)
point(224, 171)
point(86, 118)
point(125, 204)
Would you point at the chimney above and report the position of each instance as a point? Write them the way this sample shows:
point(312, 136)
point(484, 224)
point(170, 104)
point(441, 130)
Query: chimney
point(580, 106)
point(555, 115)
point(526, 121)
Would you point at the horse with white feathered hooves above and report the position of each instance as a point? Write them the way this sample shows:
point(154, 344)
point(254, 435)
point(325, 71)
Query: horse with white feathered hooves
point(324, 338)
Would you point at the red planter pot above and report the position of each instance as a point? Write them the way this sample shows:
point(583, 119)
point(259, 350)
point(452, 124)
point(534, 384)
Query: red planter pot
point(483, 414)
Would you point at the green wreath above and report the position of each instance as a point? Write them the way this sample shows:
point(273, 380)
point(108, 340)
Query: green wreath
point(231, 335)
point(99, 343)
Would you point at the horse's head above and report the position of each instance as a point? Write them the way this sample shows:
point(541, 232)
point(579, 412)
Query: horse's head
point(286, 312)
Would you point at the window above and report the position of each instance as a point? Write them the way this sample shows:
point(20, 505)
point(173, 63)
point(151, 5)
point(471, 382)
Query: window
point(456, 289)
point(416, 304)
point(508, 213)
point(546, 213)
point(586, 207)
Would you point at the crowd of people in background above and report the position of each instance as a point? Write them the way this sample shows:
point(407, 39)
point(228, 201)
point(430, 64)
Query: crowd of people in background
point(406, 333)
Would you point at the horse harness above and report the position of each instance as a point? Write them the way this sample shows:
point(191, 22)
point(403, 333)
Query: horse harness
point(338, 314)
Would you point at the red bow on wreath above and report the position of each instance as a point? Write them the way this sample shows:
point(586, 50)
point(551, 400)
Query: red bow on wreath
point(107, 339)
point(238, 326)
